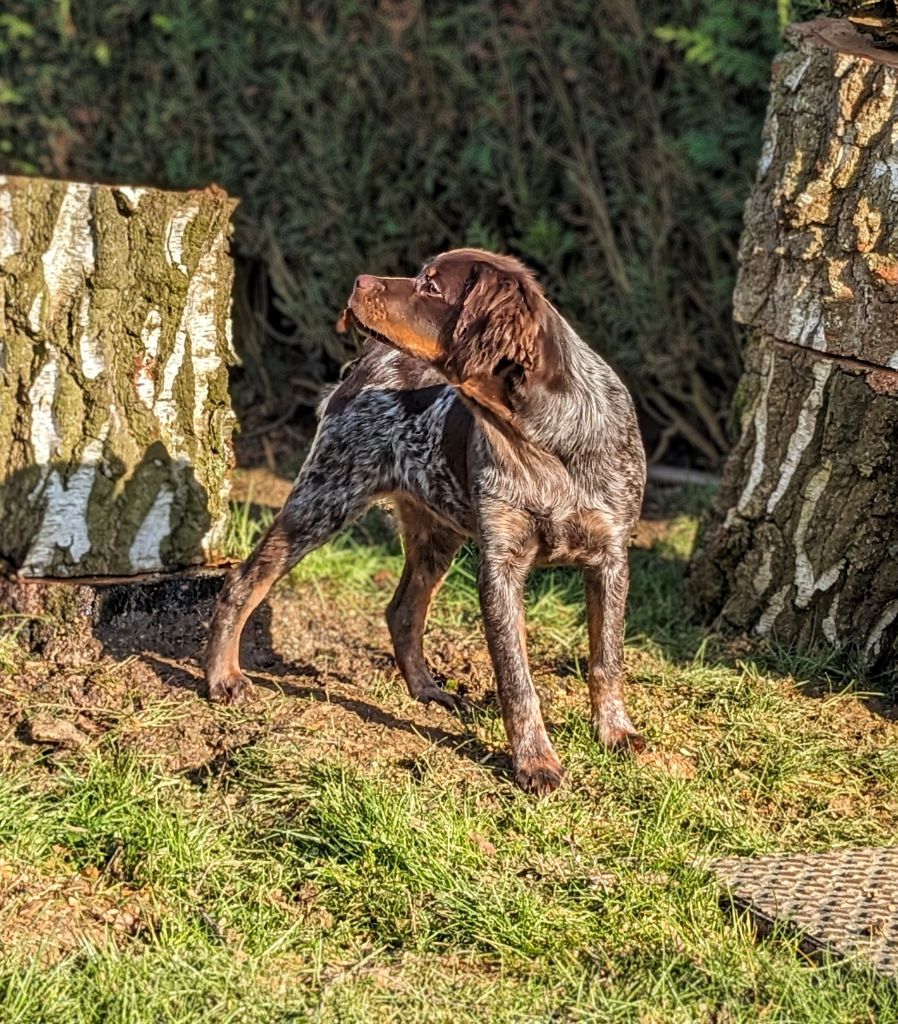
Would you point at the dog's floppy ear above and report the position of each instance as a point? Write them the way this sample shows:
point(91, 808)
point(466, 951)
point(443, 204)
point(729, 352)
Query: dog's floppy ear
point(498, 326)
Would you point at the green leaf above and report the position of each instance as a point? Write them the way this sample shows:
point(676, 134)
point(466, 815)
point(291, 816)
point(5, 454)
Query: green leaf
point(102, 53)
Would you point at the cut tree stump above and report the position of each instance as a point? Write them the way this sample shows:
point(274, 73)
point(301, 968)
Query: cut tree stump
point(115, 420)
point(801, 543)
point(62, 620)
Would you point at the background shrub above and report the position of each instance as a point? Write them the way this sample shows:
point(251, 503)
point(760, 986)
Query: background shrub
point(610, 144)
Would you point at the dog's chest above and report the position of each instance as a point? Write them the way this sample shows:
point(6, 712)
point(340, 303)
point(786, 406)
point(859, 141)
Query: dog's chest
point(578, 538)
point(430, 459)
point(566, 522)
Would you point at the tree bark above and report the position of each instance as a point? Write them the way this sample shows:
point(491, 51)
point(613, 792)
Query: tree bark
point(801, 543)
point(115, 420)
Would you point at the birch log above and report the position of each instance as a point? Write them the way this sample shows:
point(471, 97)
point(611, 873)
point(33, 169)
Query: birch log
point(115, 421)
point(802, 541)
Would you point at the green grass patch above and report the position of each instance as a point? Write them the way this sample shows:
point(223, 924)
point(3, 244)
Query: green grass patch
point(282, 888)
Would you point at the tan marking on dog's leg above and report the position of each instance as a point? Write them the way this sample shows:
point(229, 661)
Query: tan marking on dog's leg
point(606, 596)
point(429, 549)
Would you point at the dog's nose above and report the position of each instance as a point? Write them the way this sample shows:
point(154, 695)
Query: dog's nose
point(367, 283)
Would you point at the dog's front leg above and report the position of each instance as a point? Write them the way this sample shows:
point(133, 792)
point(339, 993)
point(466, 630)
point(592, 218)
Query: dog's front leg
point(502, 576)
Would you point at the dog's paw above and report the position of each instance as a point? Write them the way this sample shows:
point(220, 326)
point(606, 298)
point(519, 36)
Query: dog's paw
point(230, 688)
point(620, 739)
point(629, 743)
point(540, 774)
point(434, 694)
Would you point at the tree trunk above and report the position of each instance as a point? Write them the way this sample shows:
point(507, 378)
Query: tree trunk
point(115, 421)
point(802, 540)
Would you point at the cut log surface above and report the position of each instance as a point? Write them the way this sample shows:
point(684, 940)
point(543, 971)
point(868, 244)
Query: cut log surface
point(802, 540)
point(115, 420)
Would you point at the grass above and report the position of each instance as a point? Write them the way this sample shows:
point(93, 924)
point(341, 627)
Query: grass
point(278, 887)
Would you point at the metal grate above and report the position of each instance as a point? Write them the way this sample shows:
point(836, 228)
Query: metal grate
point(844, 902)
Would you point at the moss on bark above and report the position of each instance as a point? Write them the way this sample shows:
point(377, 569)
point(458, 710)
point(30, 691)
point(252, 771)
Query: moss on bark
point(115, 422)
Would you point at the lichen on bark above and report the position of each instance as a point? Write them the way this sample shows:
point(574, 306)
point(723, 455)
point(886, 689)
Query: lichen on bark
point(115, 423)
point(819, 253)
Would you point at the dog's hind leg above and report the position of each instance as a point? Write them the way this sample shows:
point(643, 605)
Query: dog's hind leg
point(336, 484)
point(429, 547)
point(606, 597)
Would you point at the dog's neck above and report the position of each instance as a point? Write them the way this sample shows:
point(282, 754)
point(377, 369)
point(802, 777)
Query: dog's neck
point(560, 405)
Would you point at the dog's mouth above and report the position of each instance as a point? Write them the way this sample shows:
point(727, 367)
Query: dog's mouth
point(349, 318)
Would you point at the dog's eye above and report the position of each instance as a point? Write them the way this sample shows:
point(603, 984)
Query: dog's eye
point(429, 287)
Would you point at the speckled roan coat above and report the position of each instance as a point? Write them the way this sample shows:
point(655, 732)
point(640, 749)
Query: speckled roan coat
point(479, 410)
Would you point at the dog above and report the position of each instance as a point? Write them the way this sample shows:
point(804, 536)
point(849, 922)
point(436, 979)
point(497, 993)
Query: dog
point(480, 412)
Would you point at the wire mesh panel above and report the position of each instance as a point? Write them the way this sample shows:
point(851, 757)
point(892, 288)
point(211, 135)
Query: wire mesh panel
point(844, 902)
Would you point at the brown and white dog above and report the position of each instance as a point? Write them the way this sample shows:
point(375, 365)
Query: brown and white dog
point(480, 412)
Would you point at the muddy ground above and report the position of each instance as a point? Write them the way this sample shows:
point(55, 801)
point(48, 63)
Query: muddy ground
point(323, 668)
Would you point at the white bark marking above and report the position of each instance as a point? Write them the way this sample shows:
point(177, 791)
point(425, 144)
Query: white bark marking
point(10, 239)
point(166, 408)
point(132, 195)
point(144, 553)
point(804, 431)
point(769, 147)
point(174, 235)
point(196, 333)
point(769, 615)
point(760, 422)
point(889, 168)
point(34, 314)
point(145, 379)
point(764, 575)
point(229, 331)
point(882, 624)
point(64, 523)
point(829, 623)
point(45, 436)
point(805, 325)
point(197, 324)
point(793, 79)
point(70, 258)
point(92, 361)
point(806, 582)
point(893, 361)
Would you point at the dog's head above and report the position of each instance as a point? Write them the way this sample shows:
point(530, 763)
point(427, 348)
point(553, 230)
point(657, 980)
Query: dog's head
point(478, 317)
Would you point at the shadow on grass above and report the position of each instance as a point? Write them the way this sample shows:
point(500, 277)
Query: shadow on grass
point(170, 637)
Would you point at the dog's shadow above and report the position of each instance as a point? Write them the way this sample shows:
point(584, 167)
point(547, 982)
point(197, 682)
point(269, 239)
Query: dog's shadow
point(165, 625)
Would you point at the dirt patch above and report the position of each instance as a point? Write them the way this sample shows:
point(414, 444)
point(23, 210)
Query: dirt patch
point(325, 683)
point(325, 679)
point(50, 911)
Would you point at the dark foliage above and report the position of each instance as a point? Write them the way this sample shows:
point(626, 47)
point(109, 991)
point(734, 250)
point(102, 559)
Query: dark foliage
point(608, 144)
